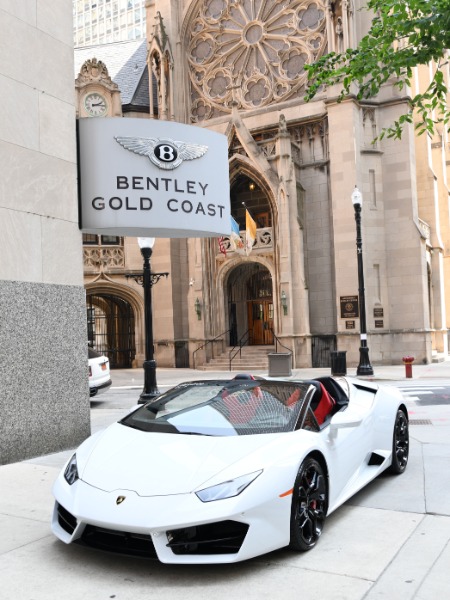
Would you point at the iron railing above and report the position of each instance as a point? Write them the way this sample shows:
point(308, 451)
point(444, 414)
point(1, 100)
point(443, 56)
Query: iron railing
point(237, 349)
point(221, 335)
point(277, 341)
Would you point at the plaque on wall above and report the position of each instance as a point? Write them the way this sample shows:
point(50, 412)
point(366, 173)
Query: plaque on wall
point(379, 324)
point(349, 307)
point(378, 312)
point(349, 324)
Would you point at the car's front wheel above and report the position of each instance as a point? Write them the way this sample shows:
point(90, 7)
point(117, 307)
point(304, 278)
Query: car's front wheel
point(400, 443)
point(309, 505)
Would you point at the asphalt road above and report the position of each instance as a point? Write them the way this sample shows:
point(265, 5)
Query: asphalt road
point(421, 393)
point(427, 401)
point(426, 393)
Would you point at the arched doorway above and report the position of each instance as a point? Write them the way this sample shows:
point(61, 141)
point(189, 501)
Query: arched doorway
point(110, 323)
point(246, 194)
point(250, 304)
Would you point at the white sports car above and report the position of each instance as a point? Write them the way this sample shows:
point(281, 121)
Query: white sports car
point(222, 471)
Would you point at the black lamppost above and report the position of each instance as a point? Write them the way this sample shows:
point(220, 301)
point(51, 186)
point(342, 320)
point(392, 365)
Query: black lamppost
point(148, 280)
point(364, 367)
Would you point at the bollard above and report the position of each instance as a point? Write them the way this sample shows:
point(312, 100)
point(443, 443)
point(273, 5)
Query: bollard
point(408, 361)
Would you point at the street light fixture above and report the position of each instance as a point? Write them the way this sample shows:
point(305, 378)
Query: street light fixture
point(198, 309)
point(148, 280)
point(364, 367)
point(284, 303)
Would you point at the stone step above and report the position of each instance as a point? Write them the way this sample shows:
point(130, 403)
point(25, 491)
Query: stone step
point(249, 359)
point(235, 368)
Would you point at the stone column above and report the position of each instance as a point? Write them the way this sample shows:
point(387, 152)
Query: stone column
point(291, 259)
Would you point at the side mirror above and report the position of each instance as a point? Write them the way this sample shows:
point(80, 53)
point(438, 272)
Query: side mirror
point(344, 420)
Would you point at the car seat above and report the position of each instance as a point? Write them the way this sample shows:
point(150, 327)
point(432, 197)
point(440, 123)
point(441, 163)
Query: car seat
point(335, 390)
point(322, 402)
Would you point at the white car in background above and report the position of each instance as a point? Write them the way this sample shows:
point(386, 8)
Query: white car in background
point(99, 375)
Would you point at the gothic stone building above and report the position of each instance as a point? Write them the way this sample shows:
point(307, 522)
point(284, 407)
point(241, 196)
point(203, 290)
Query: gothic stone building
point(237, 67)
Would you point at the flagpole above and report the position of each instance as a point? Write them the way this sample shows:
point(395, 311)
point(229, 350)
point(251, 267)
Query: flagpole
point(250, 230)
point(245, 206)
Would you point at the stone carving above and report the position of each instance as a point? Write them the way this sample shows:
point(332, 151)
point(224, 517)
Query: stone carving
point(103, 258)
point(251, 53)
point(369, 127)
point(310, 142)
point(160, 64)
point(95, 71)
point(262, 242)
point(339, 35)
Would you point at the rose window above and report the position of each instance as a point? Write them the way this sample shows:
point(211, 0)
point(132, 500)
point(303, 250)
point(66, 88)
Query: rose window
point(251, 53)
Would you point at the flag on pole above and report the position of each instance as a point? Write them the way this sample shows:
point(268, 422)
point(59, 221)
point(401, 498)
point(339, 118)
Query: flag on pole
point(250, 232)
point(222, 245)
point(235, 237)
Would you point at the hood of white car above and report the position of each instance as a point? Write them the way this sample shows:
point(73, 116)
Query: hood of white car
point(164, 463)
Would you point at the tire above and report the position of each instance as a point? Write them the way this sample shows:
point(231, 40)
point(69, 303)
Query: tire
point(400, 444)
point(309, 505)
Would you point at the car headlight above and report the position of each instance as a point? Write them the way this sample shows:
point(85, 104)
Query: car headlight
point(71, 472)
point(227, 489)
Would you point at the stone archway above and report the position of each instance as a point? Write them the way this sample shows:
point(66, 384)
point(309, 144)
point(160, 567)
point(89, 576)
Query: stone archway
point(111, 328)
point(247, 194)
point(249, 294)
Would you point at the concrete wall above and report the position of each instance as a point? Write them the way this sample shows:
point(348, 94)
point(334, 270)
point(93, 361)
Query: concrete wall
point(44, 396)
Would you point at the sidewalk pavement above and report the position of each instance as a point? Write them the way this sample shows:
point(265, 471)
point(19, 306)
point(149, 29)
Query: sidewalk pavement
point(390, 541)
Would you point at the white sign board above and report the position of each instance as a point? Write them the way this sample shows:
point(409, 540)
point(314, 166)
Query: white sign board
point(144, 177)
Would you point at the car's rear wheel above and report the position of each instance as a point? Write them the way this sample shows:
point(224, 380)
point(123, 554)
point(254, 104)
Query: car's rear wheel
point(309, 505)
point(400, 443)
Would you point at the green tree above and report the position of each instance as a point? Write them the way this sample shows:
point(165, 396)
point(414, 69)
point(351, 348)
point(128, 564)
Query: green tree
point(403, 35)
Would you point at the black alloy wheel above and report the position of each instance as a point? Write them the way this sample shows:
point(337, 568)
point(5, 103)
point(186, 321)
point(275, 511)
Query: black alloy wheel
point(309, 505)
point(400, 443)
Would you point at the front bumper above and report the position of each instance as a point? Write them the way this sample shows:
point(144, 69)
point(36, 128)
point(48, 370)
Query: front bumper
point(175, 529)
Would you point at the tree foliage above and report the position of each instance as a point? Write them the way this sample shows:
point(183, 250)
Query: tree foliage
point(403, 35)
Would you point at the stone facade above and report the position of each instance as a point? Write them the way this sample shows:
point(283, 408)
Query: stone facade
point(238, 68)
point(43, 360)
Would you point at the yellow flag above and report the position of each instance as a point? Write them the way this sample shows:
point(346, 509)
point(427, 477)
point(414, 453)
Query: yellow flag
point(250, 232)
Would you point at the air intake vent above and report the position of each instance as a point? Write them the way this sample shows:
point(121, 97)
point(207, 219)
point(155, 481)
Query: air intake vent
point(121, 542)
point(66, 520)
point(225, 537)
point(376, 459)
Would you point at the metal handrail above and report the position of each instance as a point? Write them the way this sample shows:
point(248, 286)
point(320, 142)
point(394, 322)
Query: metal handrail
point(209, 342)
point(277, 341)
point(243, 340)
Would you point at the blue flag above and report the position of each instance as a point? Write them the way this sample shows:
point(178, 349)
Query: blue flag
point(235, 237)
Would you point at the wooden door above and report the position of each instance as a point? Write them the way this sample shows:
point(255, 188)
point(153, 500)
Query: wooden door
point(260, 322)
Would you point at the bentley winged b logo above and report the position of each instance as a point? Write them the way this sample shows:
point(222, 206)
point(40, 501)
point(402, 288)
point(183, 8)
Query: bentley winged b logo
point(164, 153)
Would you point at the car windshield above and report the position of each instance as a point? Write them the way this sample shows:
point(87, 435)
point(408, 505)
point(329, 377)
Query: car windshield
point(93, 354)
point(225, 408)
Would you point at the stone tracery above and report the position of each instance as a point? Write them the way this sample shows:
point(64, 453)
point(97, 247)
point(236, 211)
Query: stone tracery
point(251, 53)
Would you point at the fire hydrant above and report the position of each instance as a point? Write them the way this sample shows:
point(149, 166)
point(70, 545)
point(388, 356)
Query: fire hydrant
point(408, 361)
